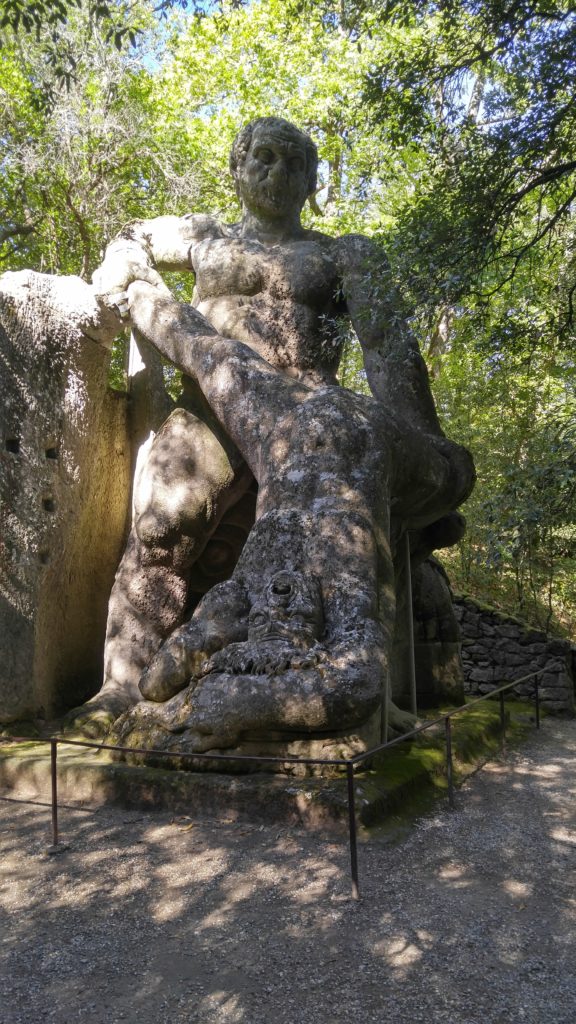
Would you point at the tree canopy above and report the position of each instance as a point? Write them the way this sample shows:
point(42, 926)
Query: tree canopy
point(446, 131)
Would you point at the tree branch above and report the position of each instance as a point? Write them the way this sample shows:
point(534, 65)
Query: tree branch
point(13, 230)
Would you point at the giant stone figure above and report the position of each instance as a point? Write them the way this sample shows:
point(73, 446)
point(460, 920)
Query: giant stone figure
point(213, 643)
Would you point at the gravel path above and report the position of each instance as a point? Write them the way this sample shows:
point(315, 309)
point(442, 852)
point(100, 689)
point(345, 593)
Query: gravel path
point(470, 919)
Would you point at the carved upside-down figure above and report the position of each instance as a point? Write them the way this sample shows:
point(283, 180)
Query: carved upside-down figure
point(297, 639)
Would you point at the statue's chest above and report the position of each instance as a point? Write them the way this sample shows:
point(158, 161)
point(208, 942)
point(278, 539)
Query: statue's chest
point(301, 271)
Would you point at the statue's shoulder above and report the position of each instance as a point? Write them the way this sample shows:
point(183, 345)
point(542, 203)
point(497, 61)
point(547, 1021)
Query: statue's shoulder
point(203, 225)
point(359, 254)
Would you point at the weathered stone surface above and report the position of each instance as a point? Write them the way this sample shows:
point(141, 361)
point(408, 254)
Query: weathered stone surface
point(488, 629)
point(262, 344)
point(535, 648)
point(508, 631)
point(439, 672)
point(338, 448)
point(513, 660)
point(481, 675)
point(64, 485)
point(559, 647)
point(534, 636)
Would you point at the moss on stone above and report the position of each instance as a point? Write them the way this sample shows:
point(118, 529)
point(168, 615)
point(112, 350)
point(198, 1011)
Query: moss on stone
point(400, 783)
point(408, 777)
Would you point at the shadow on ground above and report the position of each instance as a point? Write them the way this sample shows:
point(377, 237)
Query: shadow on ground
point(153, 919)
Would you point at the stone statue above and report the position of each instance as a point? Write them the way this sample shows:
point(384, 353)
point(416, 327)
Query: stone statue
point(294, 632)
point(437, 645)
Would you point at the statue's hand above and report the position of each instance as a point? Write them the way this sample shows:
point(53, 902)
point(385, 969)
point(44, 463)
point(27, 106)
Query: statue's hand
point(177, 663)
point(123, 264)
point(119, 304)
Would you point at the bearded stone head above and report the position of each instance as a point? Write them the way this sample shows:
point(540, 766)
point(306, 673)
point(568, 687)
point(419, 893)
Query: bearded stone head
point(274, 166)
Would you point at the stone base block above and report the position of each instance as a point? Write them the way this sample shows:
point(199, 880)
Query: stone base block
point(333, 747)
point(91, 779)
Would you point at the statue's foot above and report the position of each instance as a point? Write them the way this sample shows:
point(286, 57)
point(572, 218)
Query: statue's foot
point(94, 719)
point(172, 725)
point(168, 673)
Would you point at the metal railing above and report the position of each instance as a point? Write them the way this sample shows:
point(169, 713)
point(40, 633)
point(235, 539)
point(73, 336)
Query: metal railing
point(350, 764)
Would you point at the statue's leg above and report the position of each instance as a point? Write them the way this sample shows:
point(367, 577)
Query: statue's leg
point(146, 604)
point(314, 656)
point(181, 492)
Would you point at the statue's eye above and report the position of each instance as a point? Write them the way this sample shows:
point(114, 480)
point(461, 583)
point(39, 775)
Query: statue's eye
point(265, 156)
point(258, 620)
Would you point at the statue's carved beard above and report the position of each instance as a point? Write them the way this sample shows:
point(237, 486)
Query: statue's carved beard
point(261, 658)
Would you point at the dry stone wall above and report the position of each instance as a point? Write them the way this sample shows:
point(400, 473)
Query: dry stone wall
point(497, 648)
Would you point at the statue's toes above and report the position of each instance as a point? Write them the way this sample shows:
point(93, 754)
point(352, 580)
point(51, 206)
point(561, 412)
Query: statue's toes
point(400, 722)
point(89, 721)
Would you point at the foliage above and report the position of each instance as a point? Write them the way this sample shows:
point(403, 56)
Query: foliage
point(520, 547)
point(48, 20)
point(73, 172)
point(118, 21)
point(445, 129)
point(487, 88)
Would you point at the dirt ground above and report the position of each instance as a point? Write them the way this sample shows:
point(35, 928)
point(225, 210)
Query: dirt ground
point(470, 918)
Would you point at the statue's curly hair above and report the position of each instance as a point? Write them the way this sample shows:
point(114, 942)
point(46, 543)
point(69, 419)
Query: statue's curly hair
point(241, 145)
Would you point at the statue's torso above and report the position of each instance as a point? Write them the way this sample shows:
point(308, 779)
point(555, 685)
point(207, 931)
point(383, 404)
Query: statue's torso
point(282, 300)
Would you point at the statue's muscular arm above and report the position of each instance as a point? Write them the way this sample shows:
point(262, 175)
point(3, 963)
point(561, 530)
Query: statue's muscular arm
point(395, 369)
point(143, 247)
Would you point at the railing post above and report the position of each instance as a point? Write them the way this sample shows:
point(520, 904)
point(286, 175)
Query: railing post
point(449, 772)
point(352, 831)
point(54, 778)
point(537, 699)
point(502, 725)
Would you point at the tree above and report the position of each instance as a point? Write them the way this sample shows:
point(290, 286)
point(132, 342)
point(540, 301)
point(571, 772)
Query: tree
point(519, 551)
point(487, 89)
point(49, 22)
point(74, 171)
point(445, 130)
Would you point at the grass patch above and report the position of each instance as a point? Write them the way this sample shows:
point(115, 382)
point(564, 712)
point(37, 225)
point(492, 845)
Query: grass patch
point(405, 780)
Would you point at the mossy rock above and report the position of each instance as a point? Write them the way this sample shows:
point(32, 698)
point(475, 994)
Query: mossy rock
point(407, 779)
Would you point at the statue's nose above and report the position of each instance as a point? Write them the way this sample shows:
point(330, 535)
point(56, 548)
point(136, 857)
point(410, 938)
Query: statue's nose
point(279, 171)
